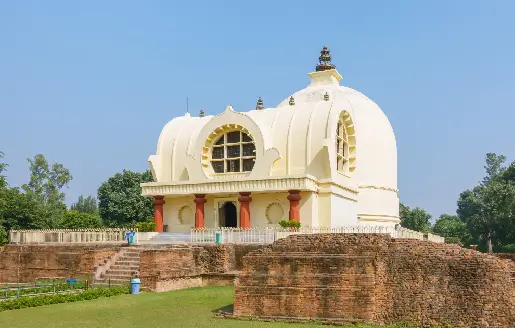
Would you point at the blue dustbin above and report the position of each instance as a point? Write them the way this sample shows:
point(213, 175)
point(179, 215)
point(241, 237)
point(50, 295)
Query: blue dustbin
point(218, 237)
point(135, 284)
point(130, 237)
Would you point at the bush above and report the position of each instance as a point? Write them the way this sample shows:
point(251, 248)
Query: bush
point(3, 235)
point(91, 294)
point(453, 240)
point(145, 226)
point(289, 224)
point(509, 248)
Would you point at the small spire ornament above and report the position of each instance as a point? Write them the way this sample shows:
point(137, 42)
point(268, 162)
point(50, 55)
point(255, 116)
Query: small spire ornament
point(324, 61)
point(201, 114)
point(326, 96)
point(292, 101)
point(260, 104)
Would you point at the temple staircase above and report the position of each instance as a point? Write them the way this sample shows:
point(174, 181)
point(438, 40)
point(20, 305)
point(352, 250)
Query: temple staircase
point(120, 268)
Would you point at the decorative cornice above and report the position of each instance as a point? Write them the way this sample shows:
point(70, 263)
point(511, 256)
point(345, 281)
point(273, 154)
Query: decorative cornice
point(379, 188)
point(217, 187)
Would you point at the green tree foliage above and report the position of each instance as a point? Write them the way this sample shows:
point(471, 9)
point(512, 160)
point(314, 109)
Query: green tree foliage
point(18, 210)
point(85, 205)
point(3, 233)
point(3, 168)
point(415, 219)
point(120, 200)
point(45, 187)
point(79, 220)
point(488, 209)
point(452, 228)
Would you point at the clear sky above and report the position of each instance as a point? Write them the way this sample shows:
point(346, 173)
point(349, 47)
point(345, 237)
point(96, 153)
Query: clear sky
point(90, 84)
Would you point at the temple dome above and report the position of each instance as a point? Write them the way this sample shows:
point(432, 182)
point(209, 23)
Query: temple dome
point(331, 135)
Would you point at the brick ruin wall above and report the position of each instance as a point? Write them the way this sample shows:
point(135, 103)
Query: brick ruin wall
point(27, 263)
point(373, 278)
point(185, 266)
point(505, 256)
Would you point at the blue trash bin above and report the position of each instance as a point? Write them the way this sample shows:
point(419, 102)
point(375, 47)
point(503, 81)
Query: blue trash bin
point(130, 237)
point(218, 237)
point(135, 284)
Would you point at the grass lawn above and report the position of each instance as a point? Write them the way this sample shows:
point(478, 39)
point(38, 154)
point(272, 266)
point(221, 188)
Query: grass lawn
point(185, 308)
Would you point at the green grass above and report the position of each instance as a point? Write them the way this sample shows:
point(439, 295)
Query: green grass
point(182, 309)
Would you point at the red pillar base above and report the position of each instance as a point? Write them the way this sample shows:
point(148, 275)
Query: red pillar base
point(200, 200)
point(245, 200)
point(294, 198)
point(158, 212)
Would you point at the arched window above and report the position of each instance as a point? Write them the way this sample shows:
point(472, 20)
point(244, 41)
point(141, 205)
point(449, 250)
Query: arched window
point(233, 151)
point(341, 147)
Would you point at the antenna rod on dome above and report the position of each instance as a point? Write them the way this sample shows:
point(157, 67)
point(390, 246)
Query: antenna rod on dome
point(187, 105)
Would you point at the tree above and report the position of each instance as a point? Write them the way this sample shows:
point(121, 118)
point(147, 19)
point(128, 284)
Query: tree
point(415, 219)
point(3, 168)
point(488, 209)
point(85, 205)
point(452, 228)
point(3, 234)
point(19, 211)
point(45, 187)
point(77, 220)
point(120, 200)
point(494, 167)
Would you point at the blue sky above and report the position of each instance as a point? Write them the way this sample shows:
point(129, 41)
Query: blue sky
point(90, 84)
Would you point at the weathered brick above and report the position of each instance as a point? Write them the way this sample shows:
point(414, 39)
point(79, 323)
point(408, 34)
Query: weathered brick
point(26, 263)
point(182, 266)
point(369, 277)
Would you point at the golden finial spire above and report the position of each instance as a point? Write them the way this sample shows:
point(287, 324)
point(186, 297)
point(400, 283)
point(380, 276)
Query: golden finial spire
point(326, 96)
point(201, 114)
point(292, 101)
point(324, 61)
point(260, 104)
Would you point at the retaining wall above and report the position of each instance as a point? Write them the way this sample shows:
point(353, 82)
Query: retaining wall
point(373, 278)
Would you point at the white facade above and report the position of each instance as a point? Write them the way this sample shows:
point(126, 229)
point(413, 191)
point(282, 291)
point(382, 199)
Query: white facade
point(296, 148)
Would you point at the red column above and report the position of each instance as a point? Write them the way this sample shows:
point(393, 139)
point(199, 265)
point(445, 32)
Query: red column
point(294, 198)
point(158, 212)
point(245, 200)
point(200, 200)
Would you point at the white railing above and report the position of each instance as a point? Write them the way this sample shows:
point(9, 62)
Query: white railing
point(66, 236)
point(435, 238)
point(269, 235)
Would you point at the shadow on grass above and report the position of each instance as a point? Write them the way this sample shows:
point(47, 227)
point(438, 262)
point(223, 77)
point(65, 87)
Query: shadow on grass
point(225, 309)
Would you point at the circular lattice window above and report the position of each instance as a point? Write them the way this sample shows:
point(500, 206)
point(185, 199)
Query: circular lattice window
point(186, 215)
point(274, 213)
point(230, 149)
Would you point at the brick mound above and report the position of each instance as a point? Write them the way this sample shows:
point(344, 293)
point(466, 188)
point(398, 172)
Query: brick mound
point(374, 278)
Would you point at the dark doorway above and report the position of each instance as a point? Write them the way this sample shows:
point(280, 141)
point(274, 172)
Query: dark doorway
point(228, 217)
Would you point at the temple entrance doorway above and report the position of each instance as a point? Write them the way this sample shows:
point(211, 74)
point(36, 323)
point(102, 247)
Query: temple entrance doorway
point(227, 215)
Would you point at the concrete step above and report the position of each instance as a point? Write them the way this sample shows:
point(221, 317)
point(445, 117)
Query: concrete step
point(117, 277)
point(124, 267)
point(128, 258)
point(121, 272)
point(128, 263)
point(134, 252)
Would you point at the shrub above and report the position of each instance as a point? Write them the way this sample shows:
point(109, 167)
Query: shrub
point(509, 248)
point(289, 224)
point(26, 302)
point(145, 226)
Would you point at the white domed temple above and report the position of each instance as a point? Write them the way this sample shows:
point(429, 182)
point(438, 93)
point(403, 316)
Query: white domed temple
point(325, 156)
